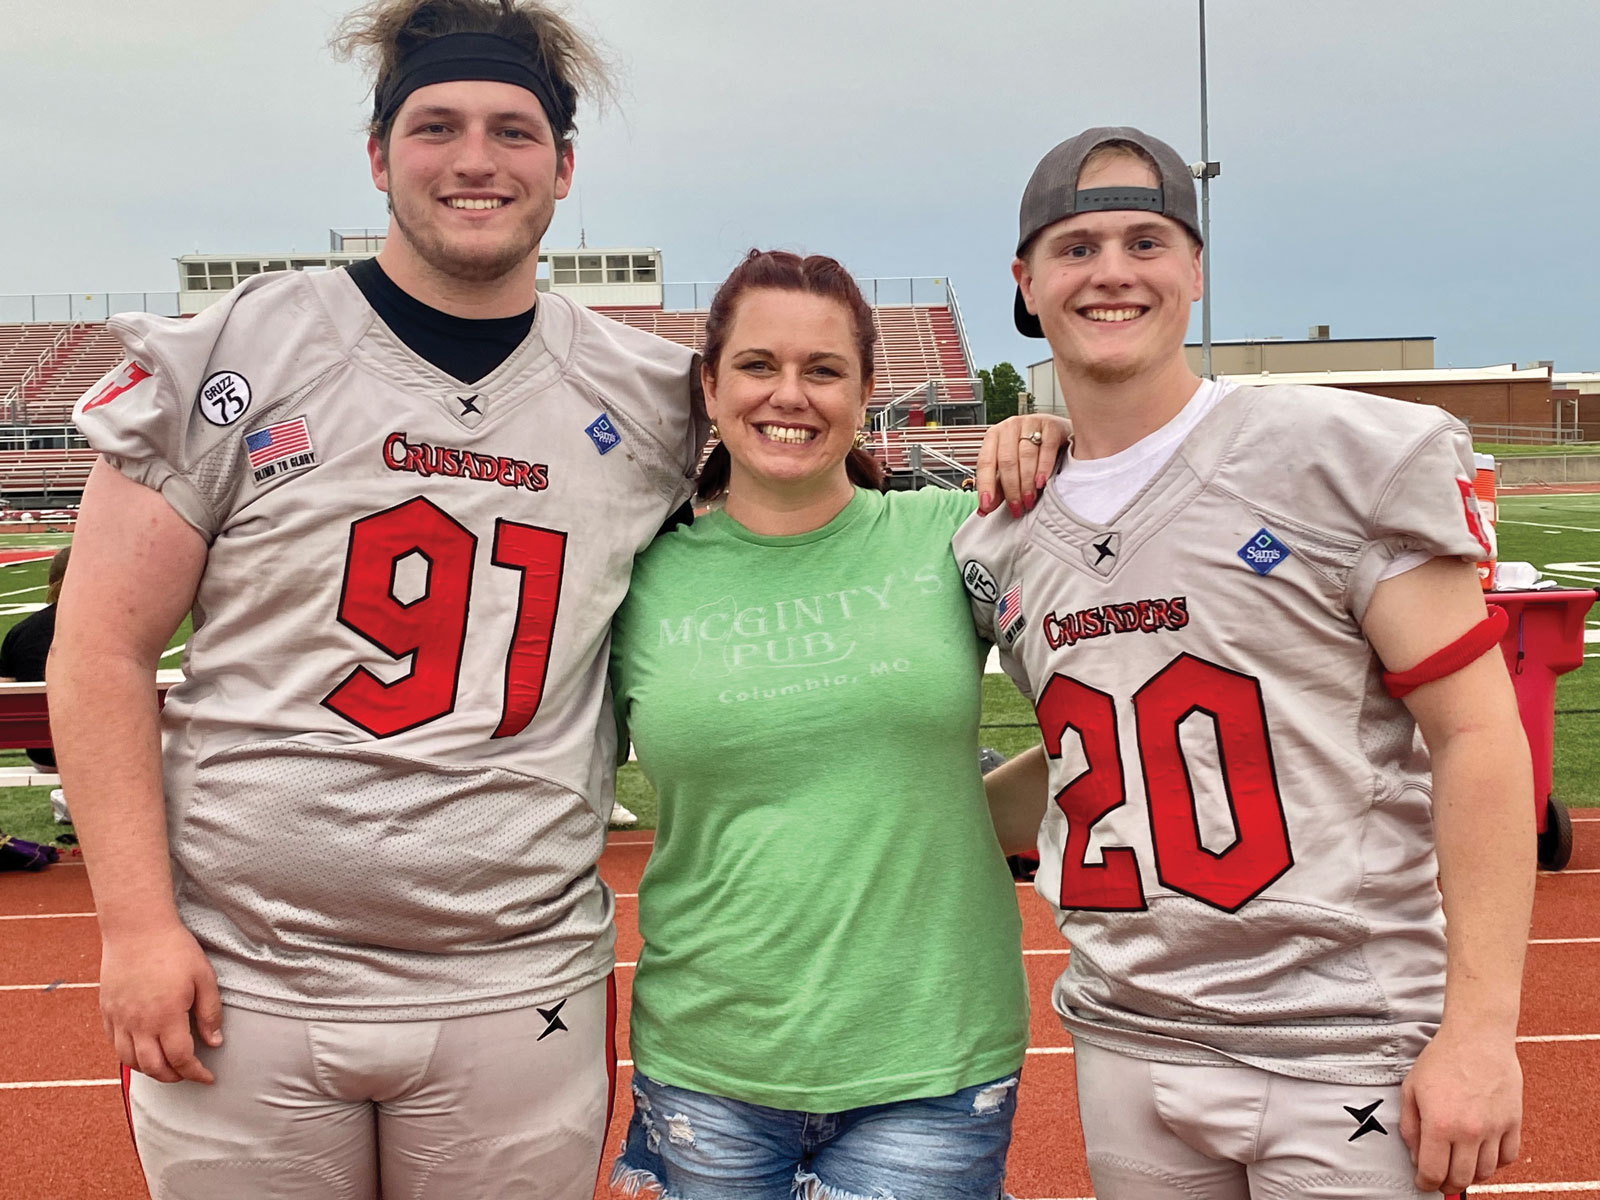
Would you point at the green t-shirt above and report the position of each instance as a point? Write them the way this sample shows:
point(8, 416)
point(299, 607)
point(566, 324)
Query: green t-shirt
point(828, 919)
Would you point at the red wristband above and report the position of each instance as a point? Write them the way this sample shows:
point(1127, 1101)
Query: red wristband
point(1468, 648)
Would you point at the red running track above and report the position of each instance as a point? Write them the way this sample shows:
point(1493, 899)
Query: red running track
point(71, 1142)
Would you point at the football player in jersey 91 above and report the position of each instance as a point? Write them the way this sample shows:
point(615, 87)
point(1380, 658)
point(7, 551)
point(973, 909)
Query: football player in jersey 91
point(353, 938)
point(1234, 608)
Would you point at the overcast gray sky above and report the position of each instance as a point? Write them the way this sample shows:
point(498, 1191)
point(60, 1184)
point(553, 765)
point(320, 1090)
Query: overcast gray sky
point(1390, 167)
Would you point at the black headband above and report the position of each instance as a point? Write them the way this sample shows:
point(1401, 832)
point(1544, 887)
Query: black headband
point(474, 56)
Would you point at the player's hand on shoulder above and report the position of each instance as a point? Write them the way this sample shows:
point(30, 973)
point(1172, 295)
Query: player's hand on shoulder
point(1462, 1109)
point(150, 984)
point(1012, 467)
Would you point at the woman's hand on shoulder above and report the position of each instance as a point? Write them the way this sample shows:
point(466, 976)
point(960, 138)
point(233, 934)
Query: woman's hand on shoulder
point(1018, 456)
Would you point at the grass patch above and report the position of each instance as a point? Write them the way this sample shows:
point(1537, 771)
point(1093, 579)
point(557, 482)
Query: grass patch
point(25, 813)
point(1509, 450)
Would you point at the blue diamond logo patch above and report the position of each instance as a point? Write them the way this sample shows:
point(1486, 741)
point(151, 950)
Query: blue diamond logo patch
point(603, 434)
point(1263, 552)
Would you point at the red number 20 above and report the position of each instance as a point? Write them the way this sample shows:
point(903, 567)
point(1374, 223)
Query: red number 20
point(1225, 879)
point(432, 629)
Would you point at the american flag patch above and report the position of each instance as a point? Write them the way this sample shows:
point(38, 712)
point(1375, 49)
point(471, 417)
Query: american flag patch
point(277, 441)
point(279, 449)
point(1010, 606)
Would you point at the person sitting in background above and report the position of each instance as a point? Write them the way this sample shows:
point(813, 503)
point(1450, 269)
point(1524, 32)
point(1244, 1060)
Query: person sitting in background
point(27, 644)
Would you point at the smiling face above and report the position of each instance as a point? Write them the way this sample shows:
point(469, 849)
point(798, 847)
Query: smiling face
point(473, 174)
point(788, 394)
point(1112, 290)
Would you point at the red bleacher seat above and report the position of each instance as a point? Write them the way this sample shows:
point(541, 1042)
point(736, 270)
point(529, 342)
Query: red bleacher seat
point(916, 343)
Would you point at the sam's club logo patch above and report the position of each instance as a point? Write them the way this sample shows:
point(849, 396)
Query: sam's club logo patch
point(1263, 552)
point(280, 449)
point(603, 434)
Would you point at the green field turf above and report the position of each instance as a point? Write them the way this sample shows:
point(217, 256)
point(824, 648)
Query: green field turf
point(1559, 534)
point(1515, 450)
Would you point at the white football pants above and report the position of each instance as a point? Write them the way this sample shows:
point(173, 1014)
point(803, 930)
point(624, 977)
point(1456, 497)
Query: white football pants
point(494, 1107)
point(1159, 1130)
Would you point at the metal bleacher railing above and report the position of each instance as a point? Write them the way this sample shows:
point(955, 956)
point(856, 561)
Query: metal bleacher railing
point(1522, 435)
point(12, 409)
point(83, 306)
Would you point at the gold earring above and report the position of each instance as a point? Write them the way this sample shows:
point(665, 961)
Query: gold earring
point(716, 434)
point(861, 439)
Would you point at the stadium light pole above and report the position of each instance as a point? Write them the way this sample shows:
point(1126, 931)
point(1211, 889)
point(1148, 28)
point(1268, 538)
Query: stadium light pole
point(1205, 171)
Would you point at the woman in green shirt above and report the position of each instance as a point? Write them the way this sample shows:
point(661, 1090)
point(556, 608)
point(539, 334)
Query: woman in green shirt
point(830, 1000)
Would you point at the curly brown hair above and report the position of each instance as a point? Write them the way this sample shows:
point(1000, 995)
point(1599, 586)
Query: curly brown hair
point(382, 32)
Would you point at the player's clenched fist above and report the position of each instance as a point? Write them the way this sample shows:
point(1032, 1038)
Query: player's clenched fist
point(150, 983)
point(1462, 1118)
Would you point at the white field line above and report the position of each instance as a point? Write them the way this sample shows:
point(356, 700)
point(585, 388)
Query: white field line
point(1573, 871)
point(178, 649)
point(59, 1083)
point(23, 591)
point(1547, 525)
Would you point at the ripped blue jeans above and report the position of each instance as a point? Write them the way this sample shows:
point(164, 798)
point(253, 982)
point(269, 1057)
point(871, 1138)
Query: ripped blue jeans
point(687, 1145)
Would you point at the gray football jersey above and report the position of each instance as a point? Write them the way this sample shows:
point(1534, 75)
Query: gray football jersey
point(1240, 846)
point(386, 774)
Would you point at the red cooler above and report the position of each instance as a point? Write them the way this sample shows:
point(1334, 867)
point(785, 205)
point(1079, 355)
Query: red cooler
point(1544, 639)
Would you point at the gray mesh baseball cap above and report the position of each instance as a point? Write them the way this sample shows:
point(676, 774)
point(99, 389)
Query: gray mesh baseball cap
point(1052, 194)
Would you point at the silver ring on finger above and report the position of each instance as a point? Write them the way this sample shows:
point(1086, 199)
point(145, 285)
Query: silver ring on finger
point(1035, 437)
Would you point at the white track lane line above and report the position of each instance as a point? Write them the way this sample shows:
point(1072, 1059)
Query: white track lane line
point(59, 1083)
point(44, 916)
point(44, 987)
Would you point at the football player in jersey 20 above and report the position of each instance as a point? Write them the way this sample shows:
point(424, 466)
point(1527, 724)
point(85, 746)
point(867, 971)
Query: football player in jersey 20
point(1235, 608)
point(354, 941)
